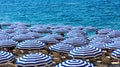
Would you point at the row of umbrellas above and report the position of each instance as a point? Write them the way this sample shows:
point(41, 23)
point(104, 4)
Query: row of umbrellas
point(64, 39)
point(39, 59)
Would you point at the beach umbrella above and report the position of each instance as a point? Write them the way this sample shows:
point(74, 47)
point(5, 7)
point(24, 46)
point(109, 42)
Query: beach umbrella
point(91, 28)
point(34, 34)
point(30, 45)
point(60, 31)
point(104, 31)
point(61, 47)
point(8, 43)
point(4, 37)
point(100, 45)
point(72, 35)
point(103, 39)
point(14, 34)
point(75, 63)
point(34, 60)
point(116, 54)
point(9, 31)
point(114, 33)
point(116, 39)
point(22, 31)
point(17, 26)
point(48, 39)
point(96, 36)
point(114, 45)
point(56, 36)
point(78, 28)
point(5, 24)
point(22, 37)
point(41, 30)
point(76, 41)
point(2, 32)
point(76, 33)
point(6, 57)
point(36, 26)
point(85, 52)
point(21, 23)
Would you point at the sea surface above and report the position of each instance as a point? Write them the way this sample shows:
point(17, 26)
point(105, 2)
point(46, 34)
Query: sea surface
point(97, 13)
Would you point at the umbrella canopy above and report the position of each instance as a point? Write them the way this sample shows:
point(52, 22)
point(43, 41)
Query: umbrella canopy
point(114, 45)
point(77, 31)
point(48, 39)
point(8, 43)
point(103, 39)
point(116, 39)
point(100, 45)
point(41, 30)
point(75, 63)
point(104, 31)
point(5, 24)
point(14, 34)
point(77, 41)
point(56, 36)
point(96, 36)
point(18, 26)
point(85, 52)
point(22, 31)
point(34, 34)
point(91, 28)
point(78, 28)
point(116, 54)
point(75, 35)
point(6, 57)
point(30, 44)
point(22, 37)
point(61, 47)
point(4, 37)
point(114, 33)
point(36, 60)
point(60, 30)
point(9, 31)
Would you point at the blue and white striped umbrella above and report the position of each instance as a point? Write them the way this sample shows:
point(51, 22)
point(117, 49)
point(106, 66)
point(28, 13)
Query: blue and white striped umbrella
point(76, 41)
point(113, 45)
point(22, 37)
point(116, 54)
point(36, 59)
point(4, 37)
point(61, 47)
point(8, 43)
point(85, 52)
point(100, 45)
point(30, 44)
point(75, 63)
point(6, 57)
point(34, 34)
point(48, 39)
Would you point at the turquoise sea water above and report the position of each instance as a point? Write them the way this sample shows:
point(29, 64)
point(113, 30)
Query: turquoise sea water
point(97, 13)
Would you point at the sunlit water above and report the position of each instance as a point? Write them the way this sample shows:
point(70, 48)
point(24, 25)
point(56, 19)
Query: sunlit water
point(97, 13)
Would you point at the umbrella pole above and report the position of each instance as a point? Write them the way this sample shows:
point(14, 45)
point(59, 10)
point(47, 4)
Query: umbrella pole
point(119, 63)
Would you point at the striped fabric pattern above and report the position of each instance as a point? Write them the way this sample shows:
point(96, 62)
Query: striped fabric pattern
point(85, 52)
point(61, 47)
point(116, 54)
point(34, 59)
point(30, 44)
point(75, 63)
point(5, 57)
point(8, 43)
